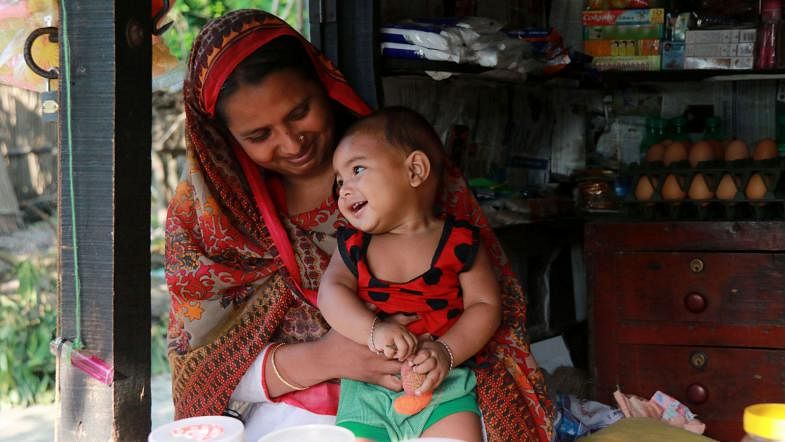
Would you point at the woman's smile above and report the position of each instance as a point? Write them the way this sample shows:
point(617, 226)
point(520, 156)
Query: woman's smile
point(305, 155)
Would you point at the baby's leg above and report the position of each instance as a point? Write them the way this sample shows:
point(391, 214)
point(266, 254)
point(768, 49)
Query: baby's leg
point(464, 425)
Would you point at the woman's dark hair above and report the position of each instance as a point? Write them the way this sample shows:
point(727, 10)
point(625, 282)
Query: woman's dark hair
point(281, 53)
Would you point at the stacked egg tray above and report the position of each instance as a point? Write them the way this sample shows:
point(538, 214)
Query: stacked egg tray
point(770, 207)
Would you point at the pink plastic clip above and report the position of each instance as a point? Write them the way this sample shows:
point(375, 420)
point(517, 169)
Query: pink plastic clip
point(94, 366)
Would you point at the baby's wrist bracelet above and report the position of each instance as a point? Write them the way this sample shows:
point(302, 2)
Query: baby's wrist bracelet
point(449, 352)
point(371, 344)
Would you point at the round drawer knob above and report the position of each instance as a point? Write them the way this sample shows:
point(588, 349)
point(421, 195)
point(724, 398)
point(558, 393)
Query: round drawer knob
point(695, 302)
point(699, 359)
point(697, 394)
point(696, 265)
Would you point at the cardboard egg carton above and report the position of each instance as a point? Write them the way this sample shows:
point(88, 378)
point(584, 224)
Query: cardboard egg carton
point(770, 206)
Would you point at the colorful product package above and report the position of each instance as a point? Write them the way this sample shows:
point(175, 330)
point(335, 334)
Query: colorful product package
point(621, 48)
point(623, 32)
point(547, 46)
point(629, 64)
point(623, 17)
point(673, 55)
point(599, 5)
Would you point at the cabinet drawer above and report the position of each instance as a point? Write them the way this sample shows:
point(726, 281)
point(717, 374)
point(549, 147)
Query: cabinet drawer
point(715, 383)
point(728, 288)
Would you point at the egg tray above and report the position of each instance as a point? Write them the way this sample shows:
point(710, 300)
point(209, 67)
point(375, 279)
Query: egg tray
point(771, 206)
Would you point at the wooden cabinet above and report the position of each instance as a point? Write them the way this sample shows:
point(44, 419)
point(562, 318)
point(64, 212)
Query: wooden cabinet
point(694, 309)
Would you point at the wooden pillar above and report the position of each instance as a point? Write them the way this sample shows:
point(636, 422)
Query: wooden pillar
point(345, 31)
point(110, 89)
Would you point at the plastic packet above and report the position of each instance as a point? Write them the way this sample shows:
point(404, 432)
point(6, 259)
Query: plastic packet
point(419, 34)
point(407, 51)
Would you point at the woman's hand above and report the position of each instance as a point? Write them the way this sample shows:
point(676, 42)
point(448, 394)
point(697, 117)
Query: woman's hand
point(432, 360)
point(344, 358)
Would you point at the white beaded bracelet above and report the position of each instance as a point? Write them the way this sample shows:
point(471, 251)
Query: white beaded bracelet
point(371, 344)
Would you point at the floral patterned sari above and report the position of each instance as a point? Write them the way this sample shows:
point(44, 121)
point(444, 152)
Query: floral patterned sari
point(236, 287)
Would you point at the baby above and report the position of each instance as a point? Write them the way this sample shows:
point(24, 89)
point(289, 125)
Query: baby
point(402, 257)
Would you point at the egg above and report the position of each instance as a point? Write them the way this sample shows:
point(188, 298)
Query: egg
point(655, 153)
point(675, 152)
point(765, 149)
point(699, 188)
point(699, 152)
point(666, 142)
point(727, 189)
point(736, 150)
point(756, 187)
point(671, 188)
point(644, 190)
point(719, 149)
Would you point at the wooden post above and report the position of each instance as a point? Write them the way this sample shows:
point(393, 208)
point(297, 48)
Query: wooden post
point(110, 88)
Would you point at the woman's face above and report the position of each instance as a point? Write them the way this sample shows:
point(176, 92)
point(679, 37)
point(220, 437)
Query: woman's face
point(284, 123)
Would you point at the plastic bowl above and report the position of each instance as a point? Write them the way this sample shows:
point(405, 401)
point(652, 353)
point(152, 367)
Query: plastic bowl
point(310, 433)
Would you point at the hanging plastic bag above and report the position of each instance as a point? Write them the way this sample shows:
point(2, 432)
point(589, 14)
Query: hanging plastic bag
point(18, 19)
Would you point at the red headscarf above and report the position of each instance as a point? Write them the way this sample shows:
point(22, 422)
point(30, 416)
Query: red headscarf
point(229, 255)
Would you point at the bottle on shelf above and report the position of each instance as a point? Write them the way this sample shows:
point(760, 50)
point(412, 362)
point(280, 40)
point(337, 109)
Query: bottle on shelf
point(655, 132)
point(767, 50)
point(678, 129)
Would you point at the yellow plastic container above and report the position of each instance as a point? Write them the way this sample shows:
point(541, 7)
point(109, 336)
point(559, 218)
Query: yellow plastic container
point(764, 423)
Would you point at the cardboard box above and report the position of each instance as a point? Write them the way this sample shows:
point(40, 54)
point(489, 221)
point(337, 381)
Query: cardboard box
point(720, 49)
point(620, 48)
point(721, 36)
point(673, 55)
point(644, 63)
point(623, 32)
point(623, 17)
point(718, 62)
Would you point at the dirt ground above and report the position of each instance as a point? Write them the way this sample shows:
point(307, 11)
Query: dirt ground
point(37, 241)
point(37, 423)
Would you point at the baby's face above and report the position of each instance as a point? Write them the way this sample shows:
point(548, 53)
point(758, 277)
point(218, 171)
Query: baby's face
point(372, 182)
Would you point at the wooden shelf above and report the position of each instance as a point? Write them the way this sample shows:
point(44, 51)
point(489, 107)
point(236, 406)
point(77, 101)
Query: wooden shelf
point(591, 78)
point(693, 75)
point(400, 66)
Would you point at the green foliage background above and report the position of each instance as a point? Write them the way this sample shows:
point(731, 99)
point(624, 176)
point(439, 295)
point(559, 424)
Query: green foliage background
point(27, 322)
point(190, 15)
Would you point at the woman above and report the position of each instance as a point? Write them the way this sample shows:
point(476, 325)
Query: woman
point(251, 228)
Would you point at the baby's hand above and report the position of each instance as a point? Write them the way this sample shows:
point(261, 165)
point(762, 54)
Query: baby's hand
point(394, 340)
point(432, 360)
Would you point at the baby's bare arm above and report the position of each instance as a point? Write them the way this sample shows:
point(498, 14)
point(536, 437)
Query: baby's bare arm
point(477, 324)
point(351, 317)
point(482, 310)
point(340, 305)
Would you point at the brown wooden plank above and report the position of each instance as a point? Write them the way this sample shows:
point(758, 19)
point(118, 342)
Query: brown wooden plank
point(731, 379)
point(111, 111)
point(715, 235)
point(734, 288)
